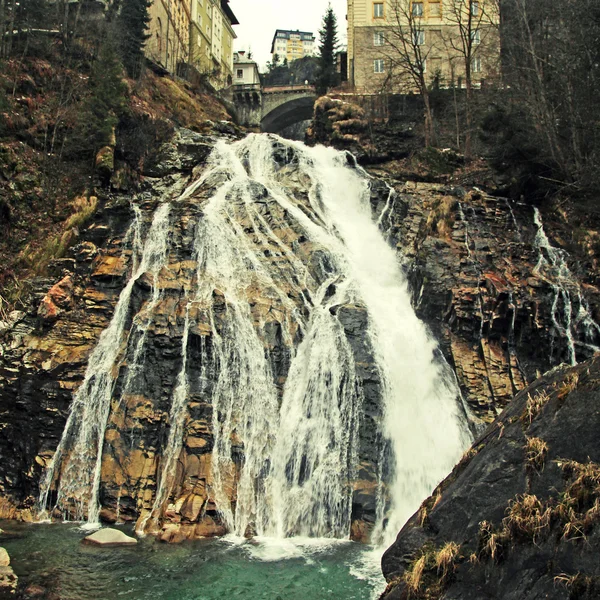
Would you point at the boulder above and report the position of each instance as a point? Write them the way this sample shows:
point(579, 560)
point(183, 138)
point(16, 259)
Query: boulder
point(8, 582)
point(109, 537)
point(519, 517)
point(4, 558)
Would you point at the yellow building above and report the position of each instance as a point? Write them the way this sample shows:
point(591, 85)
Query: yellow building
point(198, 33)
point(386, 36)
point(168, 44)
point(201, 36)
point(292, 44)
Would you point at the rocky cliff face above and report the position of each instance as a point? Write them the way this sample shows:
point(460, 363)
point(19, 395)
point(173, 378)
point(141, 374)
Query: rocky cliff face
point(45, 356)
point(501, 300)
point(518, 517)
point(484, 280)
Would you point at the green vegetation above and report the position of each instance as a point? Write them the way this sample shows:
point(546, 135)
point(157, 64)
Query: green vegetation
point(132, 23)
point(327, 76)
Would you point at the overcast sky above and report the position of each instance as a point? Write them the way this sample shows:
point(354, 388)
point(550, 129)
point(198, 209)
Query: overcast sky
point(260, 18)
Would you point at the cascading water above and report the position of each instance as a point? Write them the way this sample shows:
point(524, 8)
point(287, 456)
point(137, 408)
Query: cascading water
point(78, 458)
point(571, 315)
point(285, 242)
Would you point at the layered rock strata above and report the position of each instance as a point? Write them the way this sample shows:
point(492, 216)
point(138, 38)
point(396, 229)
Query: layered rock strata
point(484, 282)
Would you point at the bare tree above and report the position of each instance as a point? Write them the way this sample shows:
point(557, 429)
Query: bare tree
point(473, 23)
point(406, 53)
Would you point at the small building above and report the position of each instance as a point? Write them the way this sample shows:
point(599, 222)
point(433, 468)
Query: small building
point(292, 45)
point(245, 70)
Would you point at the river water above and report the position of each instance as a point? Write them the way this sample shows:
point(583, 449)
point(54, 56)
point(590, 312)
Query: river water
point(51, 556)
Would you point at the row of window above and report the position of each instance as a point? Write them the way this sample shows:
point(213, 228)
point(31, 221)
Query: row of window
point(379, 65)
point(418, 9)
point(419, 38)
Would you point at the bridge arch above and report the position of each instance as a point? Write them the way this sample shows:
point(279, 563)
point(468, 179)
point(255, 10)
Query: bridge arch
point(288, 113)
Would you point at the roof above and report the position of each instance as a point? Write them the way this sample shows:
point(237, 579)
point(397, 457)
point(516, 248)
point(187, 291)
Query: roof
point(229, 13)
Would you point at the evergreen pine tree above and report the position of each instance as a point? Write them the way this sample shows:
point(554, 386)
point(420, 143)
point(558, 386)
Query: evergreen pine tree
point(100, 112)
point(133, 26)
point(327, 76)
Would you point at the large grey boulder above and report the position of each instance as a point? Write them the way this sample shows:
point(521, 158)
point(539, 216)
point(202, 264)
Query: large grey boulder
point(109, 537)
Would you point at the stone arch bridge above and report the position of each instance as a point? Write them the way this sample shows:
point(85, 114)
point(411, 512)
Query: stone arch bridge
point(273, 108)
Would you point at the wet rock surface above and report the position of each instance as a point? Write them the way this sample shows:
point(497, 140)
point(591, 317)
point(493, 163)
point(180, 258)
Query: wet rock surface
point(8, 579)
point(44, 354)
point(520, 511)
point(473, 264)
point(109, 537)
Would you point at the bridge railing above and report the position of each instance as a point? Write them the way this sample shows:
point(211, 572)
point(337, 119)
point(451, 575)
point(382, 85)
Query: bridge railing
point(246, 87)
point(272, 89)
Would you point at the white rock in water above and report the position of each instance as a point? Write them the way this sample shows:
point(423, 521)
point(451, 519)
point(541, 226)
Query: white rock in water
point(109, 537)
point(4, 558)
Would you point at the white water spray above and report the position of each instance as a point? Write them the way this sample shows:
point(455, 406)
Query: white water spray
point(571, 315)
point(283, 245)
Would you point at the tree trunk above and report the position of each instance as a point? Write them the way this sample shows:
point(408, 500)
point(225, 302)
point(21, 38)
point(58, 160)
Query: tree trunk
point(430, 139)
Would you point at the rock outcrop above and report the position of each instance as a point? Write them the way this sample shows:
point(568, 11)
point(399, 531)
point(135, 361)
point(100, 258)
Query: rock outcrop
point(472, 261)
point(44, 355)
point(519, 517)
point(484, 283)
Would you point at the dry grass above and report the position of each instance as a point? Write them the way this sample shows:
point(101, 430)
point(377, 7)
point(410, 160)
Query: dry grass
point(568, 385)
point(491, 542)
point(578, 585)
point(428, 505)
point(37, 258)
point(536, 451)
point(442, 216)
point(579, 505)
point(445, 559)
point(413, 577)
point(527, 518)
point(432, 571)
point(534, 405)
point(84, 208)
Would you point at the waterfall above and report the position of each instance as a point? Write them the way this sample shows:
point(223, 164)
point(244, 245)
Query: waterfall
point(570, 311)
point(285, 245)
point(78, 459)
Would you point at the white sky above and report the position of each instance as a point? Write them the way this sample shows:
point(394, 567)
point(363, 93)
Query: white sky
point(260, 18)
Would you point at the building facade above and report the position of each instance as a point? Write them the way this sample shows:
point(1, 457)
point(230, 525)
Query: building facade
point(292, 45)
point(389, 38)
point(168, 44)
point(193, 33)
point(245, 70)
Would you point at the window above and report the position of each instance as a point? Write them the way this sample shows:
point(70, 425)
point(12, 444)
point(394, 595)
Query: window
point(476, 65)
point(417, 9)
point(435, 9)
point(378, 10)
point(240, 74)
point(419, 37)
point(424, 65)
point(378, 65)
point(476, 37)
point(378, 38)
point(475, 9)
